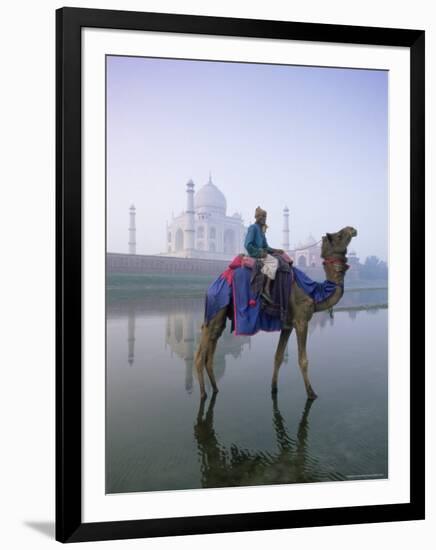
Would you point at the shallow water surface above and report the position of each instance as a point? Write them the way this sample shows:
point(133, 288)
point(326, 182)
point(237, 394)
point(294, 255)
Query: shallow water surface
point(160, 437)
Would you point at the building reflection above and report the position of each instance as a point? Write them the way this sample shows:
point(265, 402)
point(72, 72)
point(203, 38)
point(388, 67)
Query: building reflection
point(183, 331)
point(352, 314)
point(321, 320)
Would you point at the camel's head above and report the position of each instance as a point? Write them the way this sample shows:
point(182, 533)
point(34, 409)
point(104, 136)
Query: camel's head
point(336, 243)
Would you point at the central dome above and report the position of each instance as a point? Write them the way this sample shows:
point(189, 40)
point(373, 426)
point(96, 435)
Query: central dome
point(210, 198)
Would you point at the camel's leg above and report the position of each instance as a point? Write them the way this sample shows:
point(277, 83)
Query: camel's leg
point(301, 330)
point(200, 358)
point(206, 349)
point(209, 364)
point(278, 359)
point(216, 328)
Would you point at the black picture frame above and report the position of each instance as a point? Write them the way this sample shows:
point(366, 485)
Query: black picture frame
point(69, 525)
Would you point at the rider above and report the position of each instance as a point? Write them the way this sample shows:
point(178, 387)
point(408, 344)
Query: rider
point(257, 247)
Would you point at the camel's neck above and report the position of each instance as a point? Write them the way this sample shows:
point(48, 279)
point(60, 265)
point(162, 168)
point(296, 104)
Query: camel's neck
point(331, 301)
point(335, 275)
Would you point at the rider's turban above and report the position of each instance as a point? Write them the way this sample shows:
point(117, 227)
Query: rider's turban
point(259, 212)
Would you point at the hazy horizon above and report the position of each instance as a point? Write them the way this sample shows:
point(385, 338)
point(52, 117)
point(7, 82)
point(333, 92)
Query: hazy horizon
point(314, 139)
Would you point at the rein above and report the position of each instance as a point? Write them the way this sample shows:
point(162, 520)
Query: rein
point(306, 247)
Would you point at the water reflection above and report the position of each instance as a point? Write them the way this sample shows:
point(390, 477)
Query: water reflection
point(228, 466)
point(352, 314)
point(183, 331)
point(131, 318)
point(241, 437)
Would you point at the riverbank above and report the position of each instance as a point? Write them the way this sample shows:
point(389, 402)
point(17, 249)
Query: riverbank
point(139, 288)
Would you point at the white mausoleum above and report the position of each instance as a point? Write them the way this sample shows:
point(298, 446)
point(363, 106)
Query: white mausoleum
point(204, 230)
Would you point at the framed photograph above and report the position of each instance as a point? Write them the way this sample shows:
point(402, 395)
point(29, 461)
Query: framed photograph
point(240, 251)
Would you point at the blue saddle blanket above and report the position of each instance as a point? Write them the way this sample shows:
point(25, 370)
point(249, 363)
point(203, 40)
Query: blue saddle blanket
point(233, 288)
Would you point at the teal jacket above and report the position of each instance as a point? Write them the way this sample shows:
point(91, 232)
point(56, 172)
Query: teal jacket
point(255, 241)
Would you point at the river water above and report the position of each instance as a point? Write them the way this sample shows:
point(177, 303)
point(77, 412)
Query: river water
point(160, 437)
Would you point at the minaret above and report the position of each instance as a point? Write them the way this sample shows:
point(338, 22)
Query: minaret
point(189, 226)
point(132, 230)
point(286, 229)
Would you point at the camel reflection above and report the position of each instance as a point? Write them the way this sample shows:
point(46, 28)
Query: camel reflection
point(233, 466)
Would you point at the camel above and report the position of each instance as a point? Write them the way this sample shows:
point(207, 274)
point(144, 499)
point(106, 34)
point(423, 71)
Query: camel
point(300, 311)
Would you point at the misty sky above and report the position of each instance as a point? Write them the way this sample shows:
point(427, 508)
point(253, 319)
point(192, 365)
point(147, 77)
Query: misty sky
point(312, 138)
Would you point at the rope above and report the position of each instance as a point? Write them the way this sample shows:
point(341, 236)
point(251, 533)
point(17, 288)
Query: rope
point(306, 247)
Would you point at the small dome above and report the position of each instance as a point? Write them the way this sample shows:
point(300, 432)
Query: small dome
point(210, 198)
point(310, 240)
